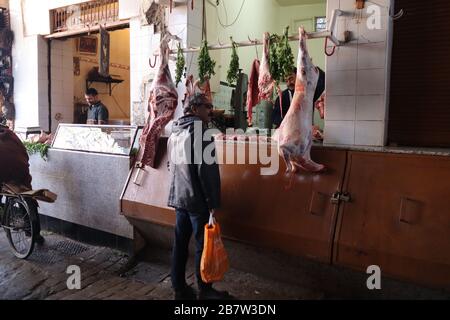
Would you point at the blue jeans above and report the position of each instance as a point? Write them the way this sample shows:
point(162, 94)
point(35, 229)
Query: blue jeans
point(186, 224)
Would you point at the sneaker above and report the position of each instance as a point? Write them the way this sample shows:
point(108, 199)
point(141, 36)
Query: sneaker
point(188, 293)
point(213, 294)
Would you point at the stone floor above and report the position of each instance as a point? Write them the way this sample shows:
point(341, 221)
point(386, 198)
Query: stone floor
point(107, 274)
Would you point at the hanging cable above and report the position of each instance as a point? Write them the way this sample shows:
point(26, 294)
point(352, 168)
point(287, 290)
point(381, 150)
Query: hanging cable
point(204, 31)
point(226, 25)
point(225, 10)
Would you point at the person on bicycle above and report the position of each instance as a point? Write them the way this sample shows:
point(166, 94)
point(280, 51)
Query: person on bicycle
point(14, 166)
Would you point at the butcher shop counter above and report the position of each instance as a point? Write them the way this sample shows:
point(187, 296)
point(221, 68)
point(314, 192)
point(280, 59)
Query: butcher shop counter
point(87, 167)
point(373, 206)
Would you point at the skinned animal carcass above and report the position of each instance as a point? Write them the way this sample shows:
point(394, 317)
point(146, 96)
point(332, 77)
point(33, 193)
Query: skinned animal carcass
point(162, 105)
point(295, 136)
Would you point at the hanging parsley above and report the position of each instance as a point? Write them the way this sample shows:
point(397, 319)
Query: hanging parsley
point(285, 56)
point(274, 64)
point(233, 71)
point(281, 58)
point(181, 63)
point(205, 64)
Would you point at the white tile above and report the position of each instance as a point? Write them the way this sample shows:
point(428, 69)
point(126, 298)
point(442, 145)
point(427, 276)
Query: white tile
point(347, 5)
point(58, 99)
point(372, 55)
point(67, 62)
point(195, 18)
point(56, 60)
point(369, 133)
point(57, 75)
point(382, 4)
point(340, 108)
point(339, 132)
point(371, 81)
point(341, 83)
point(56, 46)
point(331, 5)
point(344, 58)
point(345, 23)
point(178, 16)
point(195, 36)
point(371, 108)
point(367, 35)
point(56, 87)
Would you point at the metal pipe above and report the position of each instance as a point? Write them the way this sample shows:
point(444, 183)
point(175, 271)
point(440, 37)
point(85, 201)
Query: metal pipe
point(311, 35)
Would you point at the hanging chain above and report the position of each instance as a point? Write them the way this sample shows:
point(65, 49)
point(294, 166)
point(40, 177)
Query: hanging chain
point(204, 31)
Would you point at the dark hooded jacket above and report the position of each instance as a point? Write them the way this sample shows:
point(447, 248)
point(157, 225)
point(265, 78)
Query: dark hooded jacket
point(14, 167)
point(195, 181)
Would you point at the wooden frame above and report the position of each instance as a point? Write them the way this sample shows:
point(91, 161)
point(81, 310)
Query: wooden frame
point(87, 45)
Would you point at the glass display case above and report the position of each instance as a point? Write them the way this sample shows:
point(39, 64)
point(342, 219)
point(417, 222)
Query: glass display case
point(116, 140)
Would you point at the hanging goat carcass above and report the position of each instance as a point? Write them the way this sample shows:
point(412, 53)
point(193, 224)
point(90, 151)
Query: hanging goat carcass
point(295, 135)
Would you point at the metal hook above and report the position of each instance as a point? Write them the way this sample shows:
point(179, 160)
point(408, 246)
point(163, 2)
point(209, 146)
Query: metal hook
point(329, 54)
point(150, 62)
point(255, 42)
point(398, 15)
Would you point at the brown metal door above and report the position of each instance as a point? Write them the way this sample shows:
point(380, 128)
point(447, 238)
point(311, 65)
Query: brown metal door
point(419, 111)
point(398, 217)
point(266, 211)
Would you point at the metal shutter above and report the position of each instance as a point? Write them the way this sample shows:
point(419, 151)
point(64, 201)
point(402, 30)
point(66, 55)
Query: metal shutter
point(420, 77)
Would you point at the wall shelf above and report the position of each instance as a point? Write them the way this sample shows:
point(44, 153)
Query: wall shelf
point(108, 81)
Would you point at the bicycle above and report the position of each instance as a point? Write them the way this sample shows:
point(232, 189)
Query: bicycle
point(19, 217)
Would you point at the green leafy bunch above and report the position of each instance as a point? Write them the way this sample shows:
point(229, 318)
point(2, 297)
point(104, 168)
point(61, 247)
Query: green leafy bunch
point(233, 70)
point(181, 64)
point(285, 56)
point(205, 64)
point(281, 57)
point(274, 64)
point(34, 147)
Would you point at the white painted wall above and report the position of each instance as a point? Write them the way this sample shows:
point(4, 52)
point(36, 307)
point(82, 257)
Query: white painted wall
point(62, 84)
point(143, 44)
point(28, 72)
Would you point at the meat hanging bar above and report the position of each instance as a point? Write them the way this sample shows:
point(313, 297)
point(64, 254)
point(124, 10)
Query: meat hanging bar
point(312, 35)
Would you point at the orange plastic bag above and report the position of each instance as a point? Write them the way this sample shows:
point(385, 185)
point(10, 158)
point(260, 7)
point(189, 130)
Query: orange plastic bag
point(214, 263)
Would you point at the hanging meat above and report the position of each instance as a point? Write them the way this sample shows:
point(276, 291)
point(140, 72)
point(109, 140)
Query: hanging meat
point(320, 106)
point(162, 104)
point(204, 87)
point(265, 81)
point(253, 90)
point(190, 89)
point(295, 135)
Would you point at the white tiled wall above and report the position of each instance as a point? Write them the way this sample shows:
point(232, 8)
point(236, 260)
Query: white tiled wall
point(62, 82)
point(26, 71)
point(144, 43)
point(357, 78)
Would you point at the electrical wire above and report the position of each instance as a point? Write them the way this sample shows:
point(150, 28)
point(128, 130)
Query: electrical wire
point(235, 20)
point(226, 11)
point(226, 25)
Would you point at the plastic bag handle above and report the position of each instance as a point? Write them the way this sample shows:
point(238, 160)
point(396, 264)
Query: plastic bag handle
point(212, 221)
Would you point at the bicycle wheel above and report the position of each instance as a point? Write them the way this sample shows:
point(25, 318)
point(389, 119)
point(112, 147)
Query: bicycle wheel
point(20, 226)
